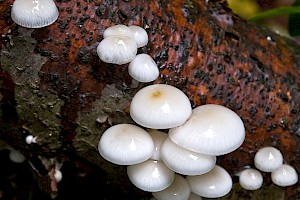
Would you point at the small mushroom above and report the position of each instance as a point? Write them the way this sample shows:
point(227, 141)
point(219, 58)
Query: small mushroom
point(284, 176)
point(268, 159)
point(143, 68)
point(214, 184)
point(160, 106)
point(125, 144)
point(34, 14)
point(178, 190)
point(118, 30)
point(151, 175)
point(140, 35)
point(117, 49)
point(158, 138)
point(251, 179)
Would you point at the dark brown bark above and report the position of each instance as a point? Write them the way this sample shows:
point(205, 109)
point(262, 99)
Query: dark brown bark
point(54, 86)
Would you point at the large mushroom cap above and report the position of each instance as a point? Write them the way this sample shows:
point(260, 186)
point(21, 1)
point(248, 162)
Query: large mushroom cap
point(126, 144)
point(160, 106)
point(34, 14)
point(211, 129)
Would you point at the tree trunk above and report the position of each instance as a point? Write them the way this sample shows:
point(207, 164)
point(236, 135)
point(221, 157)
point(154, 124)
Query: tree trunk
point(55, 87)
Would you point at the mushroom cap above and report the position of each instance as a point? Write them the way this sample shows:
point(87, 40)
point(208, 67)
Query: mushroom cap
point(117, 49)
point(118, 30)
point(284, 176)
point(34, 14)
point(251, 179)
point(151, 175)
point(216, 183)
point(184, 161)
point(57, 175)
point(125, 144)
point(178, 190)
point(211, 129)
point(143, 68)
point(158, 138)
point(268, 159)
point(160, 106)
point(16, 156)
point(140, 35)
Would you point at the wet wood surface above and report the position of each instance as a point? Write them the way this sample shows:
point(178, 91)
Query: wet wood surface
point(54, 86)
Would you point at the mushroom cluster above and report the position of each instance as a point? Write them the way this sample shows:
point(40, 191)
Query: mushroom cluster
point(182, 162)
point(174, 156)
point(270, 160)
point(119, 46)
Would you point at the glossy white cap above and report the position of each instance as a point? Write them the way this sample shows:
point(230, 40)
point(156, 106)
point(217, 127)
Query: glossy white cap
point(211, 129)
point(158, 138)
point(268, 159)
point(143, 68)
point(118, 30)
point(151, 175)
point(214, 184)
point(16, 156)
point(140, 35)
point(117, 49)
point(178, 190)
point(160, 106)
point(251, 179)
point(284, 176)
point(125, 144)
point(34, 13)
point(184, 161)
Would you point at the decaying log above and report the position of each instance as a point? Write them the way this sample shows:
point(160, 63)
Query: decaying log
point(54, 86)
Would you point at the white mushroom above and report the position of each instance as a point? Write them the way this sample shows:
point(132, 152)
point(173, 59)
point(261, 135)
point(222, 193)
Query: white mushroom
point(178, 190)
point(16, 156)
point(216, 183)
point(126, 144)
point(268, 159)
point(251, 179)
point(186, 162)
point(118, 30)
point(140, 35)
point(151, 175)
point(211, 129)
point(143, 68)
point(117, 49)
point(34, 14)
point(158, 138)
point(160, 106)
point(284, 176)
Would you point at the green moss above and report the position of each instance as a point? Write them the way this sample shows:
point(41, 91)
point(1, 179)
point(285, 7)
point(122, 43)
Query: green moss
point(38, 111)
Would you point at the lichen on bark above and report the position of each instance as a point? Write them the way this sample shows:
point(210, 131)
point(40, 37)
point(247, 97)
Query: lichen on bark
point(38, 109)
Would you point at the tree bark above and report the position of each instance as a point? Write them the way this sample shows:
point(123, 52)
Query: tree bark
point(55, 87)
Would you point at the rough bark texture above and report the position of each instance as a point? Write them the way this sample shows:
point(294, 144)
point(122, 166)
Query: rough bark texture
point(54, 86)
